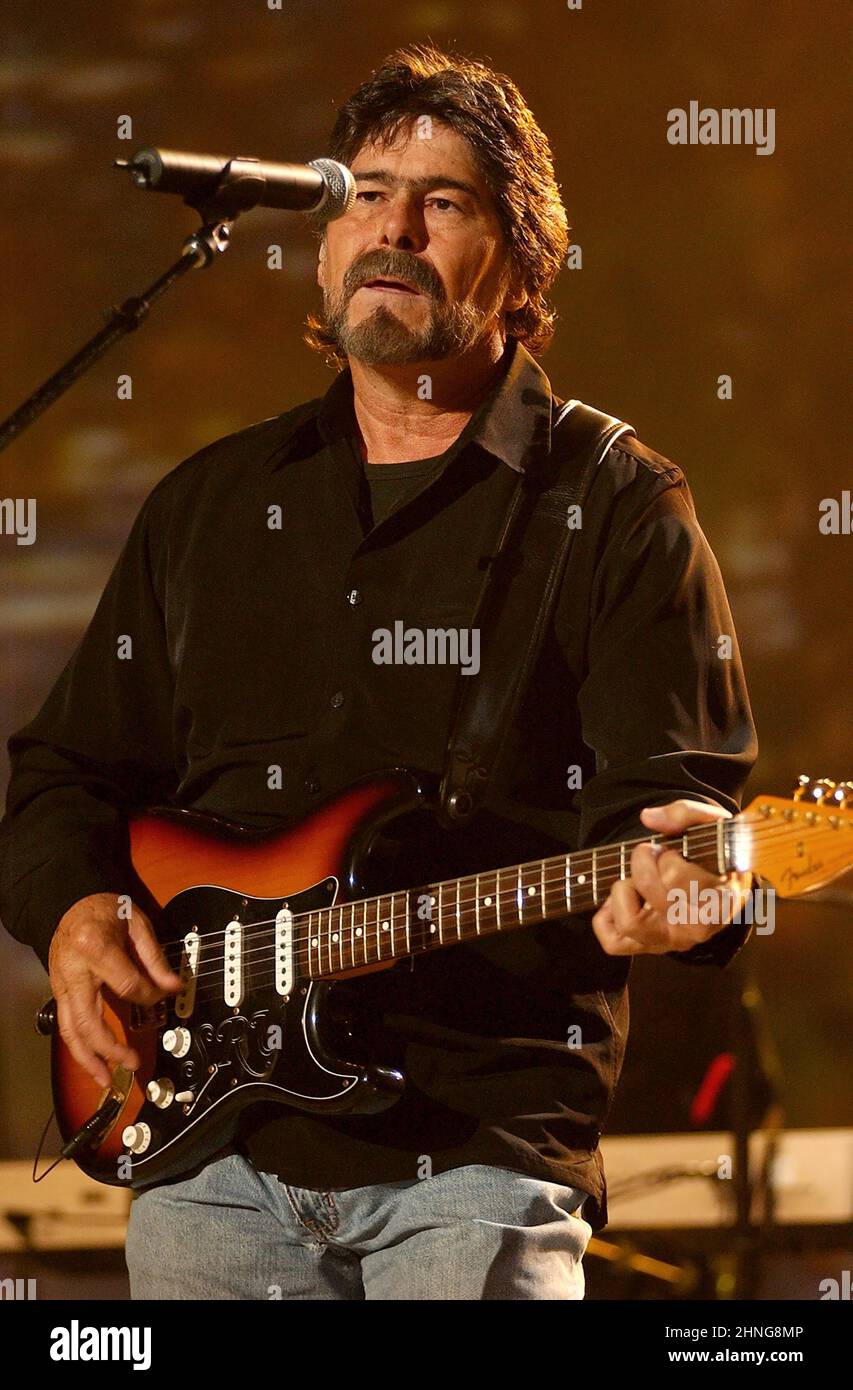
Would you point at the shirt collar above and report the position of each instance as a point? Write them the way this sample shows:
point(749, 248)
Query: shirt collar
point(513, 422)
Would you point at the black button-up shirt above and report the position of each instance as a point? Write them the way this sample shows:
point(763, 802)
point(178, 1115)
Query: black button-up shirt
point(250, 590)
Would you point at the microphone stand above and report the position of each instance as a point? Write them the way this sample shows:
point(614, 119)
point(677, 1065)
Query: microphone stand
point(233, 193)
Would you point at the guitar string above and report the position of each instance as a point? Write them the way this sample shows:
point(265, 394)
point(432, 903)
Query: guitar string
point(266, 948)
point(334, 959)
point(604, 861)
point(469, 904)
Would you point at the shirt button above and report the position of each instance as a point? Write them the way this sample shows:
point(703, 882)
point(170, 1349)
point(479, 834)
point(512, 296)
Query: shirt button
point(337, 699)
point(354, 597)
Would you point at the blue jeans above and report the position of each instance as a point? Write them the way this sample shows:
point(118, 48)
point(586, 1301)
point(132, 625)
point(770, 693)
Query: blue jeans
point(230, 1232)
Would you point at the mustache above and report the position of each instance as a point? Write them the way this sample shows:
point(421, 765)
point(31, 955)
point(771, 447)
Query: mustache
point(376, 265)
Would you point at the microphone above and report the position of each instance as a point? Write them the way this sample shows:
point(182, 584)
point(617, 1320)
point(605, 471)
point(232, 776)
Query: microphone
point(324, 188)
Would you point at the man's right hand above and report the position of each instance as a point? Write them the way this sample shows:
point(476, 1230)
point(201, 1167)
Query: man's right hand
point(93, 946)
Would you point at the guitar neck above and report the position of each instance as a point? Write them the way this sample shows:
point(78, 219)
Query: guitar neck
point(407, 923)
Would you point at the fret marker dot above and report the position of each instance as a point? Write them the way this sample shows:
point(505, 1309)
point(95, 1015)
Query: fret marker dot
point(334, 936)
point(313, 941)
point(384, 926)
point(531, 892)
point(358, 931)
point(581, 878)
point(488, 902)
point(432, 926)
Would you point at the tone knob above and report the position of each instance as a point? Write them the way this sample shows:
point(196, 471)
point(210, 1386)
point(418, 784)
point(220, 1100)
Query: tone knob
point(161, 1091)
point(136, 1138)
point(177, 1041)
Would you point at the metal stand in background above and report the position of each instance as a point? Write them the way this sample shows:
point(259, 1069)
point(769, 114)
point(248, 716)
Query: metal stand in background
point(733, 1272)
point(755, 1087)
point(233, 194)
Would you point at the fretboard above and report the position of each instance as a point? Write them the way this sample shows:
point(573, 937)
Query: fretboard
point(407, 923)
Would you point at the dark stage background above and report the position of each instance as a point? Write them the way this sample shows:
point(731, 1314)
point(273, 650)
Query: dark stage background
point(697, 262)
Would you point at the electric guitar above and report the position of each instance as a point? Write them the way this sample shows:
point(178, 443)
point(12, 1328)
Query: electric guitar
point(261, 927)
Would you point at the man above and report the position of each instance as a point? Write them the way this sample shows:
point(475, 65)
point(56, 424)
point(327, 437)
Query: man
point(252, 589)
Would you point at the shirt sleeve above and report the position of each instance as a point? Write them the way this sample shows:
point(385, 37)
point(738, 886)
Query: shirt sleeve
point(100, 745)
point(663, 703)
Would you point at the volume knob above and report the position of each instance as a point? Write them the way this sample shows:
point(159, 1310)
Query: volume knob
point(177, 1041)
point(136, 1138)
point(161, 1092)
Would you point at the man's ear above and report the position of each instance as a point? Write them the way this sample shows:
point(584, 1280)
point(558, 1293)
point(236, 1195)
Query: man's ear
point(515, 297)
point(321, 264)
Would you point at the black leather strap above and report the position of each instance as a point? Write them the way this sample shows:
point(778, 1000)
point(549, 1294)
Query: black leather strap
point(519, 596)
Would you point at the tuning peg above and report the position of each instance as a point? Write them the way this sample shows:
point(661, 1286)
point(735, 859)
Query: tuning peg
point(823, 788)
point(842, 794)
point(803, 784)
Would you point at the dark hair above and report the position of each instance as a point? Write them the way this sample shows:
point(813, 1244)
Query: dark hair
point(512, 152)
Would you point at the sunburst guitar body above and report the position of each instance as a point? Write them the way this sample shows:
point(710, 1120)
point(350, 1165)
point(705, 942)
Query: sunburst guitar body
point(262, 930)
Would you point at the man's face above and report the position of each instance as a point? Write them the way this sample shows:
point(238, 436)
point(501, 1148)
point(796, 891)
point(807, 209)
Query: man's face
point(423, 216)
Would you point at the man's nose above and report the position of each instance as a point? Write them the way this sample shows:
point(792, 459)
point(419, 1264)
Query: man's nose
point(402, 225)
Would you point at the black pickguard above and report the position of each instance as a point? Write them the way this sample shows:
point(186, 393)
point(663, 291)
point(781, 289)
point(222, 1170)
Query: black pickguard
point(296, 1051)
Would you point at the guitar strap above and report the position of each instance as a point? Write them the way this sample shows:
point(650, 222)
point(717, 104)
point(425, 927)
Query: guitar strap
point(518, 599)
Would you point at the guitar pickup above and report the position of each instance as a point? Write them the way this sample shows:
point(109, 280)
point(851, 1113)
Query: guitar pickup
point(284, 952)
point(233, 964)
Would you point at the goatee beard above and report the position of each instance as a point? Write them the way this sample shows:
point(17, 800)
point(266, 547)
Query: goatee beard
point(382, 339)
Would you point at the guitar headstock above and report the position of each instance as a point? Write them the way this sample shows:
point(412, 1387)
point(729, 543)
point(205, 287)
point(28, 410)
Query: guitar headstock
point(802, 844)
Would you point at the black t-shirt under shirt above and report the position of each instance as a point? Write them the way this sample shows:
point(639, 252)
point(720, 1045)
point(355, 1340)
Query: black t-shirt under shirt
point(389, 483)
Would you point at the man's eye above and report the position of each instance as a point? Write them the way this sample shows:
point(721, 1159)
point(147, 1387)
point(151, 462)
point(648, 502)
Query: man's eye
point(368, 193)
point(445, 201)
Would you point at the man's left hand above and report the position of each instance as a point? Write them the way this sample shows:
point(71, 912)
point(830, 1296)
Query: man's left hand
point(638, 915)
